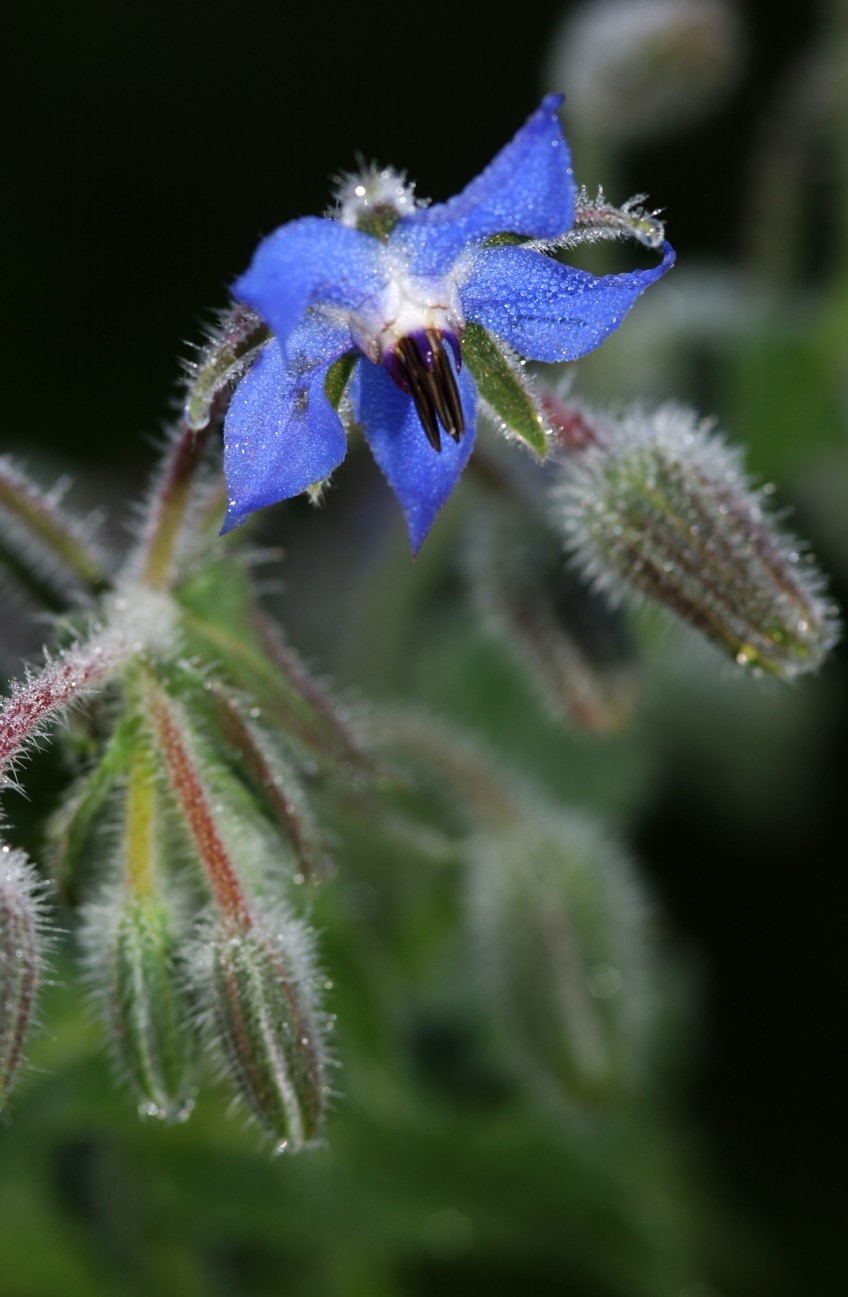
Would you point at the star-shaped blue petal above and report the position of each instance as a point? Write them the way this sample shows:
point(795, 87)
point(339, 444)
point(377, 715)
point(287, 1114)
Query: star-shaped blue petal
point(393, 286)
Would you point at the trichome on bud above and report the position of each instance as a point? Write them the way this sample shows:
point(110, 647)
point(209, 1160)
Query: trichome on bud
point(660, 506)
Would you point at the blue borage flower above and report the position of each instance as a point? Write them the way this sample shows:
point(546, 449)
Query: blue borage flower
point(385, 291)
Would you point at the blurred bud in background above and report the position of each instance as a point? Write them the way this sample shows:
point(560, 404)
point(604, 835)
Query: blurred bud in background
point(577, 651)
point(561, 931)
point(660, 506)
point(643, 69)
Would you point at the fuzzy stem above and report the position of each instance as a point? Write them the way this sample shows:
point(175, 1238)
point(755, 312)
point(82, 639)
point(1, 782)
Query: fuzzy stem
point(458, 765)
point(169, 505)
point(39, 514)
point(25, 713)
point(197, 813)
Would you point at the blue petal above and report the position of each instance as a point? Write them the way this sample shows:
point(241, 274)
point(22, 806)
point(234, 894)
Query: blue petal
point(421, 478)
point(527, 189)
point(281, 434)
point(546, 310)
point(306, 262)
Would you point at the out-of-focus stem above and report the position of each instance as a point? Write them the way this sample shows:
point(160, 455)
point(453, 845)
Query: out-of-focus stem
point(455, 763)
point(40, 515)
point(169, 505)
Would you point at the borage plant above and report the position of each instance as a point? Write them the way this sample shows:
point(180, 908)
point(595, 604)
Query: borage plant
point(189, 844)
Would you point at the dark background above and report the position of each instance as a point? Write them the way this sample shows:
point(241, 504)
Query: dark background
point(147, 147)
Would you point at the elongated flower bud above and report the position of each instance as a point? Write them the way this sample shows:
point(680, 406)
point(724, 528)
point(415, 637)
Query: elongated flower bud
point(642, 68)
point(256, 986)
point(661, 507)
point(22, 942)
point(560, 930)
point(131, 937)
point(130, 945)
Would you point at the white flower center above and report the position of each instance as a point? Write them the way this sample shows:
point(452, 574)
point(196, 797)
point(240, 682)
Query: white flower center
point(407, 304)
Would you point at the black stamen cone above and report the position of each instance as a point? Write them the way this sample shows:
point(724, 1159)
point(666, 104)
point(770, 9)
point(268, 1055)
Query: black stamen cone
point(419, 364)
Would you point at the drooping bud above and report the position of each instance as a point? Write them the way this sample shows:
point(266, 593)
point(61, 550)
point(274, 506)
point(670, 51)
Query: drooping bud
point(660, 506)
point(639, 69)
point(560, 928)
point(131, 938)
point(22, 950)
point(575, 650)
point(131, 945)
point(256, 985)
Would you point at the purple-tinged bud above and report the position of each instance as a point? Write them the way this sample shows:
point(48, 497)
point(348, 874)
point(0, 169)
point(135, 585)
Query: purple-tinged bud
point(660, 506)
point(22, 953)
point(647, 69)
point(560, 928)
point(257, 988)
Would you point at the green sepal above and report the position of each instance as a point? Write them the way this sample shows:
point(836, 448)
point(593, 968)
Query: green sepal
point(338, 376)
point(229, 354)
point(250, 776)
point(501, 387)
point(149, 1011)
point(73, 825)
point(222, 624)
point(504, 240)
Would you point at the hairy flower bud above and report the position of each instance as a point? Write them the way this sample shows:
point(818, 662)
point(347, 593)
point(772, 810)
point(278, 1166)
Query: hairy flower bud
point(22, 941)
point(130, 945)
point(257, 987)
point(636, 69)
point(560, 927)
point(661, 506)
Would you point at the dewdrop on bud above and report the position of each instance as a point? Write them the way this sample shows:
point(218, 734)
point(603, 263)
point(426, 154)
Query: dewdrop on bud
point(22, 945)
point(257, 989)
point(560, 930)
point(130, 948)
point(661, 507)
point(640, 69)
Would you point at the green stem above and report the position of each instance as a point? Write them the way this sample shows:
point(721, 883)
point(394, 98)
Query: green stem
point(170, 505)
point(46, 523)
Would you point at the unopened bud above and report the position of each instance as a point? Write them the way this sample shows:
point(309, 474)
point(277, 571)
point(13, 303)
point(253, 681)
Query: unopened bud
point(130, 949)
point(576, 651)
point(257, 988)
point(660, 506)
point(22, 943)
point(636, 69)
point(560, 929)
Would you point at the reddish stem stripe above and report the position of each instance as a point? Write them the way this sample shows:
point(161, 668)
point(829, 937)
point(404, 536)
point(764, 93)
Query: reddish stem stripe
point(25, 713)
point(198, 816)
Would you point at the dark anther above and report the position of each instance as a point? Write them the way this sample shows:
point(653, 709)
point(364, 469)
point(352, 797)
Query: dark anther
point(419, 364)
